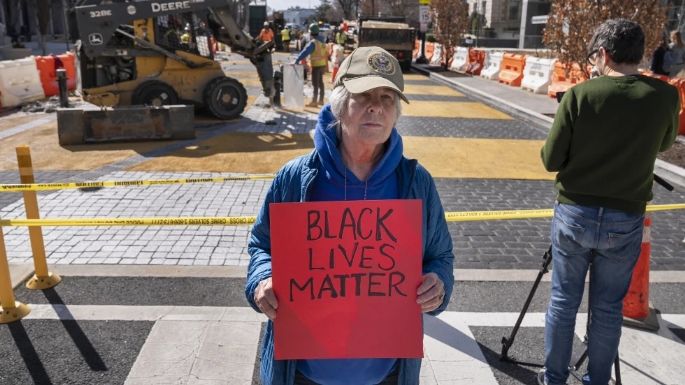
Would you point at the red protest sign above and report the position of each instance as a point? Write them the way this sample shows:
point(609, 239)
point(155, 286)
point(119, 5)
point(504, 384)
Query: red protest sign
point(345, 275)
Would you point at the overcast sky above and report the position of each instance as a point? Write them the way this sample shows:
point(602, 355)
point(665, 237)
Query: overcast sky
point(285, 4)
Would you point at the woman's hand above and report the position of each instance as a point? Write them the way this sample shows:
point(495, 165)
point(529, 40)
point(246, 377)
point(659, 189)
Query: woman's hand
point(430, 293)
point(265, 298)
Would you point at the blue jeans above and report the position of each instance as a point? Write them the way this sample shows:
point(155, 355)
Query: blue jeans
point(607, 242)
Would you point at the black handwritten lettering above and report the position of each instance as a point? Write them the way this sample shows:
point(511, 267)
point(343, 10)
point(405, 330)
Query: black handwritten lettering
point(311, 261)
point(384, 252)
point(379, 224)
point(347, 221)
point(313, 217)
point(393, 284)
point(373, 283)
point(309, 283)
point(365, 257)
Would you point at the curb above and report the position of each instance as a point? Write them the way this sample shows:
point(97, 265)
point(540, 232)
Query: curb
point(240, 272)
point(671, 172)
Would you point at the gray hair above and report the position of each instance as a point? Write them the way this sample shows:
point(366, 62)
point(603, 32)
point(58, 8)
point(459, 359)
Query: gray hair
point(340, 96)
point(622, 39)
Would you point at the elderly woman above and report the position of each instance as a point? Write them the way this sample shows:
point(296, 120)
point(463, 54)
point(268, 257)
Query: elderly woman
point(357, 155)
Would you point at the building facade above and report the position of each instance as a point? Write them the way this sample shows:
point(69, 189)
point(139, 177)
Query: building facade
point(509, 23)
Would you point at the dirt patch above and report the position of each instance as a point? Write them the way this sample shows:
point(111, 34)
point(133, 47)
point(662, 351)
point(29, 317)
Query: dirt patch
point(674, 155)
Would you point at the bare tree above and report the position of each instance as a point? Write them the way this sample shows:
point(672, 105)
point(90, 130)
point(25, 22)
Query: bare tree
point(450, 21)
point(571, 24)
point(349, 8)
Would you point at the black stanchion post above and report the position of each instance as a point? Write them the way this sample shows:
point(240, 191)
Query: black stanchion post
point(278, 87)
point(62, 82)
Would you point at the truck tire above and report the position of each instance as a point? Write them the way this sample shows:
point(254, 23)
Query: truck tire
point(225, 98)
point(154, 93)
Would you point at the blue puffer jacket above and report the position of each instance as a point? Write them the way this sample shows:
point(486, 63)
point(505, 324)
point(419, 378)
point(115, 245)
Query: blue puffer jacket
point(293, 184)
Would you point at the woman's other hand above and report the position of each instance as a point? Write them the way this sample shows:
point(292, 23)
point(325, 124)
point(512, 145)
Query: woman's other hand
point(265, 298)
point(430, 293)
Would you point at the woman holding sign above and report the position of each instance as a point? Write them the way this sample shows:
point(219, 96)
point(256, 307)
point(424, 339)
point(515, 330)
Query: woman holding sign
point(358, 156)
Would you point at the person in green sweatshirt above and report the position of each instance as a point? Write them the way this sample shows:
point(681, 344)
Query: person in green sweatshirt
point(603, 143)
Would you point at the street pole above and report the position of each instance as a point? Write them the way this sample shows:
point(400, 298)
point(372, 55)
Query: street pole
point(424, 18)
point(422, 56)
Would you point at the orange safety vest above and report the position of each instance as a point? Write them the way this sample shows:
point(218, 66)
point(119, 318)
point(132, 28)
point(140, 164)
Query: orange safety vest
point(319, 56)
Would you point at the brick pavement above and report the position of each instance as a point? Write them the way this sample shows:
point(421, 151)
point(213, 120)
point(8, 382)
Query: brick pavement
point(469, 128)
point(493, 244)
point(497, 244)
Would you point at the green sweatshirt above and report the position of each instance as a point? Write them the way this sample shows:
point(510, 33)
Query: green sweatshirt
point(605, 137)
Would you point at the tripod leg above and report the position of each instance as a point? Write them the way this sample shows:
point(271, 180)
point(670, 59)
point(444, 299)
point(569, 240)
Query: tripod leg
point(507, 342)
point(617, 369)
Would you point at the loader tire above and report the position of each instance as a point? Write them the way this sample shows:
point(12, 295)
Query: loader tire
point(225, 98)
point(154, 93)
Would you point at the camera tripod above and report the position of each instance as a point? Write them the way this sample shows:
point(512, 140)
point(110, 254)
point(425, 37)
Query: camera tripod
point(546, 260)
point(507, 342)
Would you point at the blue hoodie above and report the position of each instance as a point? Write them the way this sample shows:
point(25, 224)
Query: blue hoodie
point(337, 183)
point(317, 176)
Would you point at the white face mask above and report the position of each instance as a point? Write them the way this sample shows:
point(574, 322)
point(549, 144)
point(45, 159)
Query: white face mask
point(594, 72)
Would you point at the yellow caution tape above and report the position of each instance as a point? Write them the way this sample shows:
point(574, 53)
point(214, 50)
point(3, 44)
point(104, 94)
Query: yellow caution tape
point(466, 216)
point(124, 183)
point(183, 221)
point(455, 216)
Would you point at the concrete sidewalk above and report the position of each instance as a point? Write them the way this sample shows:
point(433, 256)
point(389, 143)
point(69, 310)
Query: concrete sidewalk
point(191, 325)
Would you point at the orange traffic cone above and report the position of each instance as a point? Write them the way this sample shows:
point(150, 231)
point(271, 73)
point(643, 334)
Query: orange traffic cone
point(636, 301)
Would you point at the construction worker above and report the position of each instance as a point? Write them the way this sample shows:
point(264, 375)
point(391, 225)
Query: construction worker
point(266, 34)
point(340, 37)
point(319, 61)
point(285, 38)
point(186, 37)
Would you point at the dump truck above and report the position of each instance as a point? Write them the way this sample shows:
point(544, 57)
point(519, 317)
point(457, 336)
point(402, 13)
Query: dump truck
point(394, 36)
point(157, 54)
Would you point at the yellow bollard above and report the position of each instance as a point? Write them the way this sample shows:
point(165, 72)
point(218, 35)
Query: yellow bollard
point(10, 310)
point(42, 279)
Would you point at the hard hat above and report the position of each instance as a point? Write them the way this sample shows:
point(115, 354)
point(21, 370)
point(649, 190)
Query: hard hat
point(314, 28)
point(266, 23)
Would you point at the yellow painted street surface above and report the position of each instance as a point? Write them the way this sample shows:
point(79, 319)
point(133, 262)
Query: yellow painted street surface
point(413, 76)
point(47, 154)
point(234, 152)
point(10, 122)
point(420, 89)
point(478, 158)
point(440, 109)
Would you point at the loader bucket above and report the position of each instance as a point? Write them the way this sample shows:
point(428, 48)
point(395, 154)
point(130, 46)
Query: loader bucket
point(131, 123)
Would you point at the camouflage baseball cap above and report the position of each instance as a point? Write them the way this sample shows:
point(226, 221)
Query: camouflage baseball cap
point(367, 68)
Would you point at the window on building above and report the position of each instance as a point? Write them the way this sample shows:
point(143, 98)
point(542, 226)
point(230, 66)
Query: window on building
point(513, 9)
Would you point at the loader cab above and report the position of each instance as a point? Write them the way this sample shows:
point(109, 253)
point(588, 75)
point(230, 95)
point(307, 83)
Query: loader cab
point(183, 33)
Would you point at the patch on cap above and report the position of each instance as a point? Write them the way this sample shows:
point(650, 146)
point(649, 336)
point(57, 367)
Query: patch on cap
point(381, 63)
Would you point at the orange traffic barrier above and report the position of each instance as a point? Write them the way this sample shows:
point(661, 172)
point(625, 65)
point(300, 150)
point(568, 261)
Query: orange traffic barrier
point(680, 85)
point(657, 76)
point(511, 69)
point(47, 68)
point(563, 80)
point(430, 48)
point(636, 301)
point(476, 60)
